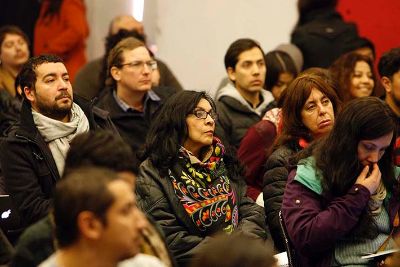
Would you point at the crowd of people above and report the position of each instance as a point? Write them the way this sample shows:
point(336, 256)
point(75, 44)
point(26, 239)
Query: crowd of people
point(112, 163)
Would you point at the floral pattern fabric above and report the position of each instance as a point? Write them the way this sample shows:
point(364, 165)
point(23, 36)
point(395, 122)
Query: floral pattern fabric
point(205, 191)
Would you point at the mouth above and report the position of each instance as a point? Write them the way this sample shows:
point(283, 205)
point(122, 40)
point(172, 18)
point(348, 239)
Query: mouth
point(209, 132)
point(325, 123)
point(63, 96)
point(256, 82)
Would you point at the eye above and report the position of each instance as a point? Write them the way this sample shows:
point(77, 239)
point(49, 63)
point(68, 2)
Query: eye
point(66, 78)
point(261, 63)
point(368, 147)
point(246, 65)
point(325, 101)
point(310, 107)
point(49, 80)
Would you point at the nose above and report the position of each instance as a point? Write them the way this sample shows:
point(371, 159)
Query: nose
point(63, 84)
point(140, 220)
point(146, 68)
point(374, 157)
point(365, 79)
point(209, 120)
point(321, 109)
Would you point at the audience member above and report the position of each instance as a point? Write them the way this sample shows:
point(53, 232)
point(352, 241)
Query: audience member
point(97, 221)
point(281, 71)
point(243, 252)
point(14, 53)
point(342, 201)
point(90, 80)
point(130, 100)
point(34, 151)
point(189, 183)
point(321, 33)
point(355, 76)
point(308, 113)
point(91, 149)
point(62, 29)
point(389, 70)
point(243, 103)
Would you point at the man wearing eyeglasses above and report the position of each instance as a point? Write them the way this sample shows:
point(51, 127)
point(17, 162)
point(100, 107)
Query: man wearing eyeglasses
point(130, 100)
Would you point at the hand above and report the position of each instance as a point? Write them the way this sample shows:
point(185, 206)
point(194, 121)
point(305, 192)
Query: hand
point(370, 181)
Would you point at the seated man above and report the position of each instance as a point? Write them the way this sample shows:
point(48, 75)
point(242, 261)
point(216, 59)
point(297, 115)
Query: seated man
point(130, 100)
point(97, 221)
point(92, 149)
point(33, 154)
point(243, 102)
point(89, 82)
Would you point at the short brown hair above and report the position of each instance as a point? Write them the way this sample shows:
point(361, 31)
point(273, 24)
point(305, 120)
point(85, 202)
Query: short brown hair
point(115, 55)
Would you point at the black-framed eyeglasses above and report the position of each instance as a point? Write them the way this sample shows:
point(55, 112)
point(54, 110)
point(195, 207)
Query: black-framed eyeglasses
point(202, 114)
point(139, 65)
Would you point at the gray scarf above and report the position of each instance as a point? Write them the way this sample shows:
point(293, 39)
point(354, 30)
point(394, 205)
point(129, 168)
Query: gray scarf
point(59, 134)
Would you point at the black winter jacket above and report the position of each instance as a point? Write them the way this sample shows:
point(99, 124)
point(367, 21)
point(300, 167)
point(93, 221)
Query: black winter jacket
point(29, 170)
point(156, 197)
point(274, 184)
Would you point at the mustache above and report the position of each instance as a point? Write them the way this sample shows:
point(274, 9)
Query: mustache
point(62, 95)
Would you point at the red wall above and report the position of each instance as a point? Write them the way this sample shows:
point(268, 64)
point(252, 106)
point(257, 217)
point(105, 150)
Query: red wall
point(379, 21)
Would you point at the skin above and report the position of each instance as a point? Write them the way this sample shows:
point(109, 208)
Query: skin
point(318, 114)
point(361, 83)
point(285, 78)
point(249, 75)
point(369, 152)
point(200, 131)
point(52, 93)
point(392, 88)
point(133, 83)
point(14, 52)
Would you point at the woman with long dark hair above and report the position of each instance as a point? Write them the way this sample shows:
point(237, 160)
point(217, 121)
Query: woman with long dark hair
point(342, 200)
point(189, 183)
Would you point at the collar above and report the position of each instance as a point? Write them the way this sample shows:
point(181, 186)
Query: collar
point(126, 107)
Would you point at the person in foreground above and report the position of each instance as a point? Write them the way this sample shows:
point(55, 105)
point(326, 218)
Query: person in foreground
point(342, 201)
point(189, 183)
point(96, 220)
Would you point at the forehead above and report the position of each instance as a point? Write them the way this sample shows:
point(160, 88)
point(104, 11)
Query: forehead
point(315, 95)
point(126, 23)
point(50, 67)
point(362, 66)
point(139, 53)
point(122, 192)
point(204, 104)
point(253, 54)
point(8, 37)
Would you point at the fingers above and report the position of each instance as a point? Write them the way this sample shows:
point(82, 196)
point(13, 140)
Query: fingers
point(363, 174)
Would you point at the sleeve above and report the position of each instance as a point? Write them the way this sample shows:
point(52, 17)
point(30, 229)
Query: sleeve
point(251, 215)
point(275, 179)
point(22, 183)
point(252, 154)
point(75, 28)
point(152, 199)
point(313, 228)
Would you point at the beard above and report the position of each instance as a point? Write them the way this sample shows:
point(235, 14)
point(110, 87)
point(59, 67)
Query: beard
point(55, 111)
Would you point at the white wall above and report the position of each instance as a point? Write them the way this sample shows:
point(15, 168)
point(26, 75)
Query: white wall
point(192, 36)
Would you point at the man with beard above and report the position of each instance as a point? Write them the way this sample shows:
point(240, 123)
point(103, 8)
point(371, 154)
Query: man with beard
point(33, 154)
point(389, 70)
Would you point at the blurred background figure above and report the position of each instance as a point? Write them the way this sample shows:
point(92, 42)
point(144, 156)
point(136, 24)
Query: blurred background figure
point(321, 33)
point(355, 76)
point(62, 29)
point(243, 251)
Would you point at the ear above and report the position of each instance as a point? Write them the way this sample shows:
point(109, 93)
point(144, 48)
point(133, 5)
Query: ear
point(89, 225)
point(231, 73)
point(387, 84)
point(29, 93)
point(115, 73)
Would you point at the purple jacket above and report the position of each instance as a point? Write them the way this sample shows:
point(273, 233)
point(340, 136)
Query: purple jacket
point(313, 227)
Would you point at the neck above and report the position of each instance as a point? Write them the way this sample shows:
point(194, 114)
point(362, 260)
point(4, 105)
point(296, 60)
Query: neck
point(80, 255)
point(393, 105)
point(252, 97)
point(13, 70)
point(132, 98)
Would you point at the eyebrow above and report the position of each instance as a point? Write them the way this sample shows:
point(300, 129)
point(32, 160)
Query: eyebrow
point(53, 74)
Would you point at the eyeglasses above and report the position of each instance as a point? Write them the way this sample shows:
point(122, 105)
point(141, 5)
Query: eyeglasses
point(139, 65)
point(202, 114)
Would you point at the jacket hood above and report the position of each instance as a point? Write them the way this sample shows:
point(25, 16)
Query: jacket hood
point(229, 91)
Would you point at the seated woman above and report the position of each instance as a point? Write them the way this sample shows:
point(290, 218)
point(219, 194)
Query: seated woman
point(308, 113)
point(355, 76)
point(260, 137)
point(342, 201)
point(189, 183)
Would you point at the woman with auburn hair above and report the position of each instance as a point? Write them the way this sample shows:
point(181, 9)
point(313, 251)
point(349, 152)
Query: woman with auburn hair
point(342, 201)
point(355, 76)
point(308, 113)
point(189, 183)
